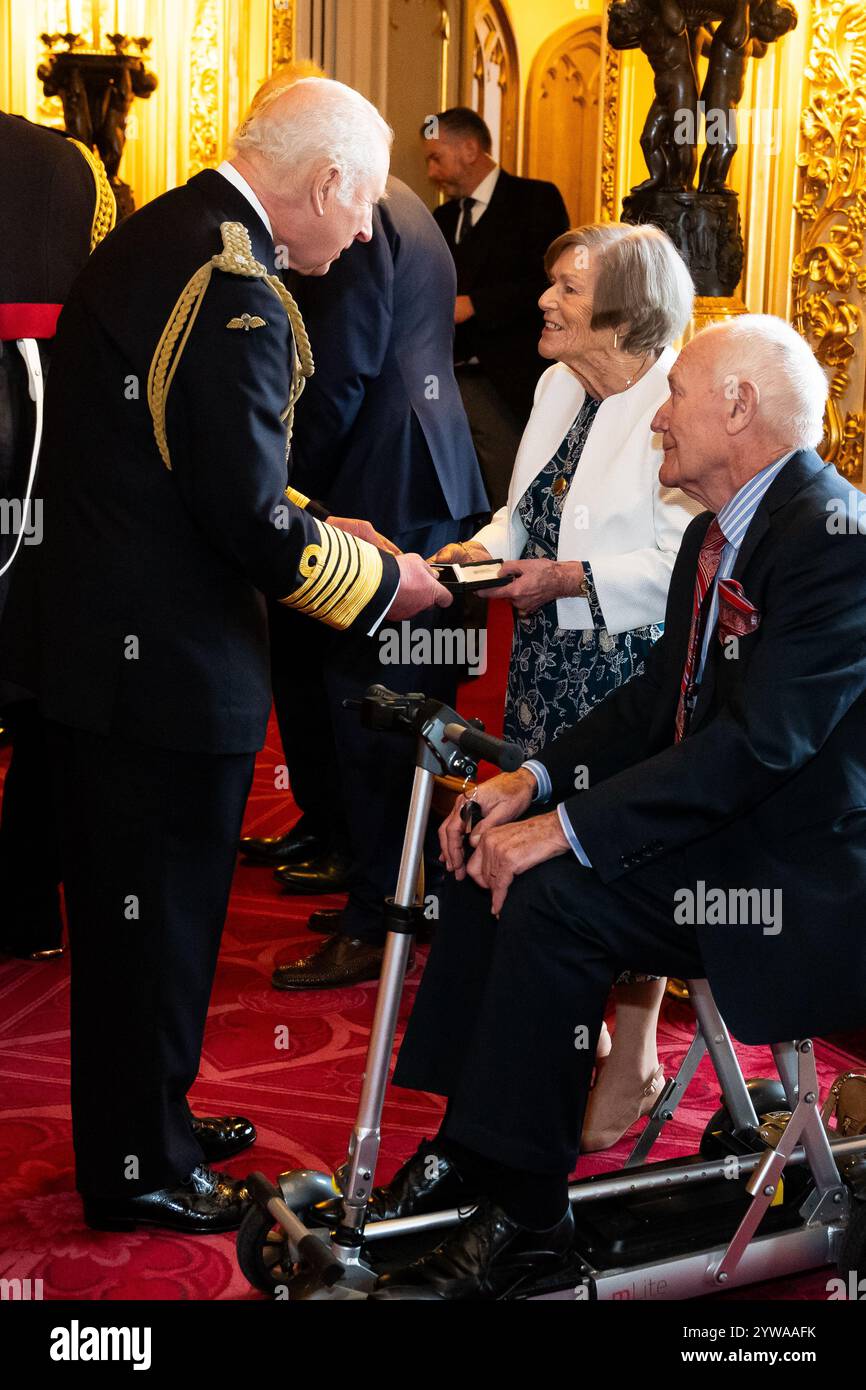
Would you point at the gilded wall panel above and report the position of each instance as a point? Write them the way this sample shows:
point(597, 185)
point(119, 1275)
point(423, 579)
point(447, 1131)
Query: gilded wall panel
point(829, 270)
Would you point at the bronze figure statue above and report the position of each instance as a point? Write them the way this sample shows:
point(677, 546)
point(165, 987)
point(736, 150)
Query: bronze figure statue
point(634, 24)
point(675, 35)
point(725, 82)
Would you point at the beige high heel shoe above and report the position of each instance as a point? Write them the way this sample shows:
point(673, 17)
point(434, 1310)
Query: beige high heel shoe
point(602, 1131)
point(602, 1051)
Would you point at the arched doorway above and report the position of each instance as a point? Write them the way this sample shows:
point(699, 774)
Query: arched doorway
point(495, 82)
point(562, 117)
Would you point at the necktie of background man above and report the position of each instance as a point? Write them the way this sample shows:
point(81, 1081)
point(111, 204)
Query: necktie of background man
point(466, 206)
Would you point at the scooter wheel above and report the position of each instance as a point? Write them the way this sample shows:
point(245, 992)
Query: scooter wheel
point(263, 1251)
point(767, 1095)
point(852, 1254)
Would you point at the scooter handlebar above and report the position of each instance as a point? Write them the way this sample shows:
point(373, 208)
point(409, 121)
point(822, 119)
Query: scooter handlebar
point(477, 744)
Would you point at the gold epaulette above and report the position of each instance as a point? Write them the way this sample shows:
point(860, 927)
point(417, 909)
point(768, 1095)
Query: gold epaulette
point(105, 212)
point(341, 575)
point(236, 258)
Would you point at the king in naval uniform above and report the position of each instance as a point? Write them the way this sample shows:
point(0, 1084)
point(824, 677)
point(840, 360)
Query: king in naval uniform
point(167, 520)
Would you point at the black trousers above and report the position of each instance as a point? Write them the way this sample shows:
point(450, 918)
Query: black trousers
point(148, 839)
point(30, 918)
point(508, 1013)
point(496, 431)
point(353, 785)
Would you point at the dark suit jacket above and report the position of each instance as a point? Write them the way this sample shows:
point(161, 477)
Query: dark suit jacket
point(149, 613)
point(47, 202)
point(381, 432)
point(500, 264)
point(46, 213)
point(768, 790)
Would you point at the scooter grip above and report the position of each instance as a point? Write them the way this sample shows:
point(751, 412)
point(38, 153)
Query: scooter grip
point(477, 744)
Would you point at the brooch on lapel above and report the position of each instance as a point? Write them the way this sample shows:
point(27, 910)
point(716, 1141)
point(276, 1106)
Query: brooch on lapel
point(246, 322)
point(737, 615)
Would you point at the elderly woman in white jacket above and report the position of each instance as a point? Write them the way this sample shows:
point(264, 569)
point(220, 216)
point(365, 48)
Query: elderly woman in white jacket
point(590, 537)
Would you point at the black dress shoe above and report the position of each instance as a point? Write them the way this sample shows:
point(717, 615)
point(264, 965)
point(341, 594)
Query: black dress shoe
point(327, 875)
point(340, 960)
point(325, 920)
point(486, 1257)
point(428, 1181)
point(291, 848)
point(223, 1136)
point(206, 1203)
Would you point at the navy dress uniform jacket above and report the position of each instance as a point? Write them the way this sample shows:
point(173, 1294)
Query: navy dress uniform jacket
point(147, 603)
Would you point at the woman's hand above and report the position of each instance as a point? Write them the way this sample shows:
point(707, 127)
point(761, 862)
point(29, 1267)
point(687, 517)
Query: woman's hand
point(460, 553)
point(537, 582)
point(502, 799)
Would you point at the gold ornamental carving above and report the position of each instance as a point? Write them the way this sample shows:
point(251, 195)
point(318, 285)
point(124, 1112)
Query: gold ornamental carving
point(283, 33)
point(829, 272)
point(610, 125)
point(204, 107)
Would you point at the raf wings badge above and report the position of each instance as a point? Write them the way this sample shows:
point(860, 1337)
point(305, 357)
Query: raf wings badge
point(246, 322)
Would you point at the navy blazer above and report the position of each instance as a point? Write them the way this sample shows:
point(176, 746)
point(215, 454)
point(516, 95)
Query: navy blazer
point(380, 430)
point(768, 790)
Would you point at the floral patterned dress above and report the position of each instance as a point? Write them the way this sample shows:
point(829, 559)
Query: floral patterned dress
point(557, 675)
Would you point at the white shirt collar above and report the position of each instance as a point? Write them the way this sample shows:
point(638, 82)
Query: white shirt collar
point(229, 172)
point(484, 191)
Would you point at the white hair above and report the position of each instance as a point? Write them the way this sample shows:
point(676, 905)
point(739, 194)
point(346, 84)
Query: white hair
point(643, 288)
point(791, 383)
point(301, 123)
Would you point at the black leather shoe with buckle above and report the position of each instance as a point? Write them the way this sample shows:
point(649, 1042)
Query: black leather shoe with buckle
point(487, 1257)
point(208, 1202)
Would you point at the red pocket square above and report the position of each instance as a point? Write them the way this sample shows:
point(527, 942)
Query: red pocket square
point(738, 616)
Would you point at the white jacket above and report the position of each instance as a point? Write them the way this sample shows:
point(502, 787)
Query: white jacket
point(616, 516)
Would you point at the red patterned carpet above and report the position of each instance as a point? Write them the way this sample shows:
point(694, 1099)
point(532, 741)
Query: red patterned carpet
point(301, 1098)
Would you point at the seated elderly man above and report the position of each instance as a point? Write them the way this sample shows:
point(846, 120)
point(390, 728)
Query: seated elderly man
point(707, 819)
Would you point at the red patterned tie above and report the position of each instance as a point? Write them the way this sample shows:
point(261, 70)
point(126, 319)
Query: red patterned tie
point(708, 564)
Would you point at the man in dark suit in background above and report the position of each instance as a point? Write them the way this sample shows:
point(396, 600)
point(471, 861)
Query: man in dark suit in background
point(380, 433)
point(718, 828)
point(498, 228)
point(55, 205)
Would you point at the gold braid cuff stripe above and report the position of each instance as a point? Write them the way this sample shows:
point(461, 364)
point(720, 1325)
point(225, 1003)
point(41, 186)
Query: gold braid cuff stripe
point(341, 575)
point(298, 498)
point(236, 258)
point(105, 212)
